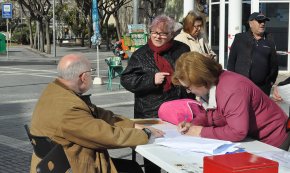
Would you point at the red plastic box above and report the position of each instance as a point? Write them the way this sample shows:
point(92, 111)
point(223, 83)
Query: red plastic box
point(239, 163)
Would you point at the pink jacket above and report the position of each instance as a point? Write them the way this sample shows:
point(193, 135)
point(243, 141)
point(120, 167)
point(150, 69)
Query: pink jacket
point(244, 110)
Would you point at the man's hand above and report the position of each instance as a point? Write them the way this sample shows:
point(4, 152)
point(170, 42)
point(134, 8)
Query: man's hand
point(159, 77)
point(155, 132)
point(276, 95)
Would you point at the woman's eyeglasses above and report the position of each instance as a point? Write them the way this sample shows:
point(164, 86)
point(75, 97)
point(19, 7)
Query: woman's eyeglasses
point(197, 26)
point(161, 34)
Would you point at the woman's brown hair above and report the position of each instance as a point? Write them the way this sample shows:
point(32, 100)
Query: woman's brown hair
point(195, 69)
point(189, 20)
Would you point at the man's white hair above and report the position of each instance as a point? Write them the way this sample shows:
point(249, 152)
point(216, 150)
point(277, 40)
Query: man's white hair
point(74, 69)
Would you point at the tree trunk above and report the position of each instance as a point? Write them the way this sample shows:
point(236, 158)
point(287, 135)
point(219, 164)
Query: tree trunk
point(36, 42)
point(30, 32)
point(41, 37)
point(107, 35)
point(117, 26)
point(90, 30)
point(48, 45)
point(83, 38)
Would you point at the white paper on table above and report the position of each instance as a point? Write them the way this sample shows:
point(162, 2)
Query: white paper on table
point(198, 144)
point(170, 130)
point(282, 157)
point(284, 92)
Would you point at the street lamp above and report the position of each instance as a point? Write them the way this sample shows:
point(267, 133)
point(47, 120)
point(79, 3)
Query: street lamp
point(53, 28)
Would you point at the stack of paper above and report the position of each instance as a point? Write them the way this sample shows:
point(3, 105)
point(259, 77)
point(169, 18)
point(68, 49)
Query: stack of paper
point(174, 139)
point(198, 144)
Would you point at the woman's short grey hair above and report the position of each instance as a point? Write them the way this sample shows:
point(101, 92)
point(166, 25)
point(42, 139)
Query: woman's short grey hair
point(73, 70)
point(170, 23)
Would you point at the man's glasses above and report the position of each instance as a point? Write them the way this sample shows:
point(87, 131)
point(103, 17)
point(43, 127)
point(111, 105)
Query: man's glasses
point(161, 34)
point(261, 21)
point(92, 71)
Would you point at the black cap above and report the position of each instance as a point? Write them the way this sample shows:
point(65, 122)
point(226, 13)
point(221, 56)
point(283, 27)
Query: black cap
point(258, 16)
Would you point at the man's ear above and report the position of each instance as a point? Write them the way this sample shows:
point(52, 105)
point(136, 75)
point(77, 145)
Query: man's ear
point(83, 77)
point(250, 23)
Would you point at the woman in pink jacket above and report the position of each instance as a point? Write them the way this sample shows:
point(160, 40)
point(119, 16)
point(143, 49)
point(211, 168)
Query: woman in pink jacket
point(236, 107)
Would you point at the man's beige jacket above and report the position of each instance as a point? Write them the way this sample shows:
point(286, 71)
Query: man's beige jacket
point(84, 131)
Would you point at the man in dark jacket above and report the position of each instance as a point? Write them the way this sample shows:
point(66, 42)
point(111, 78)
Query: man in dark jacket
point(253, 54)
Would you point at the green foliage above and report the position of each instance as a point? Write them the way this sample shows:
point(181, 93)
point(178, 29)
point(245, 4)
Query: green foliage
point(21, 34)
point(3, 25)
point(71, 17)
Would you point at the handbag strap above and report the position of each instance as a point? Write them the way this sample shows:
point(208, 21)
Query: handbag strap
point(205, 49)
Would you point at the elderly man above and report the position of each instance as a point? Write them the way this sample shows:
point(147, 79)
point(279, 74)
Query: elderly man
point(85, 131)
point(253, 54)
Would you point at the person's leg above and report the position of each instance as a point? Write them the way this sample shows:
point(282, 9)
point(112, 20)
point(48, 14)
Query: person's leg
point(151, 167)
point(127, 166)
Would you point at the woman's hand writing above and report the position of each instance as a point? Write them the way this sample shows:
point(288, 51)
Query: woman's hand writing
point(194, 130)
point(183, 127)
point(189, 129)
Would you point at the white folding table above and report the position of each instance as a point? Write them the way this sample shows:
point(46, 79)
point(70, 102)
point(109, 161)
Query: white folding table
point(174, 161)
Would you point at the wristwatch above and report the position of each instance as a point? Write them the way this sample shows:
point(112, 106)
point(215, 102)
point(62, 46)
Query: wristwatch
point(148, 132)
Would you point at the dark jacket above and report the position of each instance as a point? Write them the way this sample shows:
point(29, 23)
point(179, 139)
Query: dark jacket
point(285, 82)
point(138, 78)
point(240, 58)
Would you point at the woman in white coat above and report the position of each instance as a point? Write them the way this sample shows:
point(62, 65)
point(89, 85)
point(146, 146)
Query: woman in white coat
point(192, 36)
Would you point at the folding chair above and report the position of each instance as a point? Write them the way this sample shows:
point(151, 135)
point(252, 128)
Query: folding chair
point(115, 69)
point(54, 162)
point(41, 144)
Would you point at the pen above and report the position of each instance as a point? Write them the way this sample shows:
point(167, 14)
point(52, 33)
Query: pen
point(185, 118)
point(184, 123)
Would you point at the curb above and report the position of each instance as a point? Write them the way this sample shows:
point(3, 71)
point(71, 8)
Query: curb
point(43, 54)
